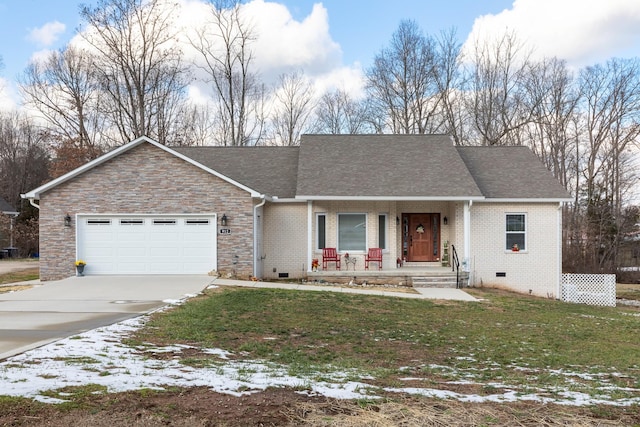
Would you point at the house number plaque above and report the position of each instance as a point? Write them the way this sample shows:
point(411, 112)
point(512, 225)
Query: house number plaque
point(224, 231)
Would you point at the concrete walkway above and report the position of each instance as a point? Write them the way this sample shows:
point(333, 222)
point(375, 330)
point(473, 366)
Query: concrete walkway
point(423, 293)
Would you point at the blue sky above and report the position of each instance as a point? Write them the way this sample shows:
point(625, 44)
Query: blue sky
point(360, 31)
point(335, 40)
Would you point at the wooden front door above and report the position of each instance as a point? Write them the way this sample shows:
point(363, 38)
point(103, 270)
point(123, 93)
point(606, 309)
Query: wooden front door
point(421, 237)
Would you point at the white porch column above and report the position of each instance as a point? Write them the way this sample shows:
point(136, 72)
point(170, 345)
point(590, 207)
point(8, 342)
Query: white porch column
point(309, 234)
point(467, 234)
point(559, 240)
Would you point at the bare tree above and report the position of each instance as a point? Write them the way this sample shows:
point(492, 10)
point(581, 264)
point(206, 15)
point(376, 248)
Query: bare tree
point(402, 82)
point(450, 81)
point(499, 103)
point(63, 88)
point(611, 95)
point(138, 66)
point(224, 46)
point(23, 156)
point(293, 105)
point(339, 113)
point(553, 131)
point(195, 126)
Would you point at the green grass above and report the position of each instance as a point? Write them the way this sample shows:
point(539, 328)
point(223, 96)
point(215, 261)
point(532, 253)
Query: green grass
point(388, 337)
point(20, 276)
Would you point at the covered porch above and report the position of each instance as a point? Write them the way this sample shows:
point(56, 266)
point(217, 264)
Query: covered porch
point(417, 239)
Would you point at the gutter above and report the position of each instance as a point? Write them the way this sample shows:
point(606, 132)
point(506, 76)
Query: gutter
point(255, 234)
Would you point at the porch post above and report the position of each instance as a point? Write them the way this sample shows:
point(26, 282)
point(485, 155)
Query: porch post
point(309, 234)
point(559, 255)
point(467, 234)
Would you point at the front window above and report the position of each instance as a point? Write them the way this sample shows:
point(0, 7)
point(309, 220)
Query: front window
point(516, 232)
point(352, 232)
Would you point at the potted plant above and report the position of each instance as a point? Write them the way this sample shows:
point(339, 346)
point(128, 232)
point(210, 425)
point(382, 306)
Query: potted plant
point(80, 267)
point(315, 263)
point(445, 254)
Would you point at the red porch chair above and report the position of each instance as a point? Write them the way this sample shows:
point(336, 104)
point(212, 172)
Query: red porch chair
point(330, 255)
point(373, 255)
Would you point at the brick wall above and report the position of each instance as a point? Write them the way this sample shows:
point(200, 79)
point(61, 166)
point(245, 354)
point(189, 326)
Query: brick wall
point(285, 240)
point(537, 268)
point(144, 180)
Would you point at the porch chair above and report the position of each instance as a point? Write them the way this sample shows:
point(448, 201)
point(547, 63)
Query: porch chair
point(373, 255)
point(330, 255)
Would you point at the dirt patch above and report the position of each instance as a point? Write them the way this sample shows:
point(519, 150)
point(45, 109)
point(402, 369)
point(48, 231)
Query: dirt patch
point(286, 407)
point(4, 289)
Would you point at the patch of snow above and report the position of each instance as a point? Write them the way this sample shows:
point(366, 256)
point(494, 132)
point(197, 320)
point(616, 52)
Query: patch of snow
point(99, 357)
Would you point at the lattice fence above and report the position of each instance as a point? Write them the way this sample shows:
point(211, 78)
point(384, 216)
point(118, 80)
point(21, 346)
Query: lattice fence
point(591, 289)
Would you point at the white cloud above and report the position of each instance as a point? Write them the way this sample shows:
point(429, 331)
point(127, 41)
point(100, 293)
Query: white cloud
point(47, 34)
point(583, 32)
point(7, 102)
point(40, 55)
point(283, 44)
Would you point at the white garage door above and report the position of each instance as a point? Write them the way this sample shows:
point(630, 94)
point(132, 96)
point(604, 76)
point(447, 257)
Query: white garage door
point(134, 244)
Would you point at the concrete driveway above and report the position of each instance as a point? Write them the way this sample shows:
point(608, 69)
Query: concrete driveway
point(55, 310)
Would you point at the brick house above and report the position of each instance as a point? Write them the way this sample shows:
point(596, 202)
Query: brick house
point(267, 212)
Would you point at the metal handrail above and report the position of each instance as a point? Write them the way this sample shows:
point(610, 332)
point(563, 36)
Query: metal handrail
point(455, 265)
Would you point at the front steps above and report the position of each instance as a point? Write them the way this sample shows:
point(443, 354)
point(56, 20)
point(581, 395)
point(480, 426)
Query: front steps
point(438, 280)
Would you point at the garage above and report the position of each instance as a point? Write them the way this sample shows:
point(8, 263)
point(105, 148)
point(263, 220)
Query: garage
point(147, 244)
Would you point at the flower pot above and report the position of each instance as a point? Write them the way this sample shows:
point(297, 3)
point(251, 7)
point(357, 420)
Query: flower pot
point(80, 270)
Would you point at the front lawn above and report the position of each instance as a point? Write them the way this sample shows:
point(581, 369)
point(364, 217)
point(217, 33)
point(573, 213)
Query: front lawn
point(524, 343)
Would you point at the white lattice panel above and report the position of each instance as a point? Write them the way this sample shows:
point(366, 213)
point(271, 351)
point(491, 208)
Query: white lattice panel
point(591, 289)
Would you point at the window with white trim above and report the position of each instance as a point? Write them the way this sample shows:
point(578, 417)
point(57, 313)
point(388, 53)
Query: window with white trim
point(321, 231)
point(516, 232)
point(382, 231)
point(352, 232)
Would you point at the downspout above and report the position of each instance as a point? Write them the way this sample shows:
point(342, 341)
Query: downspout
point(309, 234)
point(467, 235)
point(255, 235)
point(34, 204)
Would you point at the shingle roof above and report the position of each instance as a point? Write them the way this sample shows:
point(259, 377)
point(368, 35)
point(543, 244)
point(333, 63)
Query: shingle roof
point(269, 170)
point(511, 173)
point(382, 166)
point(5, 207)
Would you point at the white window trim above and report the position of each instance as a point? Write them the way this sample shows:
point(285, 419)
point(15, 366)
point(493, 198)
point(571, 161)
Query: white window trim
point(366, 232)
point(526, 230)
point(317, 232)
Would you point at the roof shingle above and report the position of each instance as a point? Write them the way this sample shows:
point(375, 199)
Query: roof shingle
point(383, 167)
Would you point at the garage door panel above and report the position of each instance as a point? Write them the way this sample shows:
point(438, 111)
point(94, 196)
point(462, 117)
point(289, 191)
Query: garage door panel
point(98, 252)
point(140, 251)
point(125, 235)
point(194, 252)
point(147, 244)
